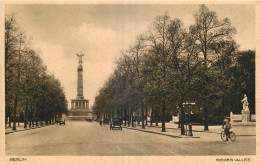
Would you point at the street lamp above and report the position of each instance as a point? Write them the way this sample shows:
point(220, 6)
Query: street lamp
point(190, 125)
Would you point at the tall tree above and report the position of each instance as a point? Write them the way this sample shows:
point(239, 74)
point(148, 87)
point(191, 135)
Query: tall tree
point(26, 76)
point(158, 38)
point(207, 30)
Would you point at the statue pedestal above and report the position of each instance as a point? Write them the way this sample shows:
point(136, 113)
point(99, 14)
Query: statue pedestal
point(245, 116)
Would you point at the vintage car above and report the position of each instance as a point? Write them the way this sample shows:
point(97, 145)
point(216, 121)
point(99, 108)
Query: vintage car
point(116, 123)
point(62, 122)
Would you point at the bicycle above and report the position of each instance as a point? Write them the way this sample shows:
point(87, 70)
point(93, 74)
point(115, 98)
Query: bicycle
point(232, 136)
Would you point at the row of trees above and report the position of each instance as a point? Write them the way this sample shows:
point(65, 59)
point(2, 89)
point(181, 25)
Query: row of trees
point(29, 90)
point(170, 65)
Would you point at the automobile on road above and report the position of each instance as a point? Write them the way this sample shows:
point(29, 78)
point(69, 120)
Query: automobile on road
point(62, 122)
point(116, 123)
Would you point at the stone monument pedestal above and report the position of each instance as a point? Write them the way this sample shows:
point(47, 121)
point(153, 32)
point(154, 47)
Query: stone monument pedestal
point(245, 116)
point(80, 106)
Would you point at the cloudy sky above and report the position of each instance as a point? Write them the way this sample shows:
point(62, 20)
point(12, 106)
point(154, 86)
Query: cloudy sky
point(59, 32)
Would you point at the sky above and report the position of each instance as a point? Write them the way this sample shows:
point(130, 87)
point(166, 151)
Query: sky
point(101, 32)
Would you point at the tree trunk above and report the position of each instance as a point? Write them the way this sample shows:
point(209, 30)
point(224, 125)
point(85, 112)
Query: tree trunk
point(46, 117)
point(42, 116)
point(37, 119)
point(146, 108)
point(156, 116)
point(107, 117)
point(129, 116)
point(53, 117)
point(121, 113)
point(206, 118)
point(25, 116)
point(111, 116)
point(15, 108)
point(163, 115)
point(125, 114)
point(179, 126)
point(50, 117)
point(30, 118)
point(206, 93)
point(132, 115)
point(143, 127)
point(10, 116)
point(18, 119)
point(151, 121)
point(33, 120)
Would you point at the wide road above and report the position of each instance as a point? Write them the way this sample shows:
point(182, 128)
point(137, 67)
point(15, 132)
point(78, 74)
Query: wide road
point(88, 138)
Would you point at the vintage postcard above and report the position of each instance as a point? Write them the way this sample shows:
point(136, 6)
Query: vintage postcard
point(129, 82)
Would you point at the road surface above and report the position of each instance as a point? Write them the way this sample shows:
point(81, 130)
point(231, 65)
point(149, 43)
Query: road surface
point(90, 139)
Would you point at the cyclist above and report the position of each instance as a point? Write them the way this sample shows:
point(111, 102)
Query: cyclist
point(226, 126)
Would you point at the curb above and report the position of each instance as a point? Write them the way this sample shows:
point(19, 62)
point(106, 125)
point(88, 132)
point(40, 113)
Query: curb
point(246, 135)
point(243, 125)
point(200, 131)
point(142, 130)
point(192, 130)
point(26, 129)
point(220, 133)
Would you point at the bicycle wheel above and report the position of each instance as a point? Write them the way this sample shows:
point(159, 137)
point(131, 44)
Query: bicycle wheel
point(223, 136)
point(232, 136)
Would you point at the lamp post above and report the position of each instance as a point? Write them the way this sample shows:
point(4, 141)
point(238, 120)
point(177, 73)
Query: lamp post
point(189, 113)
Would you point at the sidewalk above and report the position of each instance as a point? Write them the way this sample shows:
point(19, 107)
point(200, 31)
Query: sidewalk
point(173, 131)
point(239, 129)
point(20, 128)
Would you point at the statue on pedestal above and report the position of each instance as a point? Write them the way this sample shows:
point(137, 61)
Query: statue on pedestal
point(245, 103)
point(245, 112)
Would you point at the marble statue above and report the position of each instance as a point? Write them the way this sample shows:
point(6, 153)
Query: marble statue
point(245, 103)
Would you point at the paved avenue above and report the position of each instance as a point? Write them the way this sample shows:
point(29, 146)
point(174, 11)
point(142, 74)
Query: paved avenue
point(90, 139)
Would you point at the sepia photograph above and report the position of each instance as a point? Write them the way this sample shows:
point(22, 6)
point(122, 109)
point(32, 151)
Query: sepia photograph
point(129, 82)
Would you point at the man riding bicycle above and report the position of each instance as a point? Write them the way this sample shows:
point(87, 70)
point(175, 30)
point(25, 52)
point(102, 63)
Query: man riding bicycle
point(226, 126)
